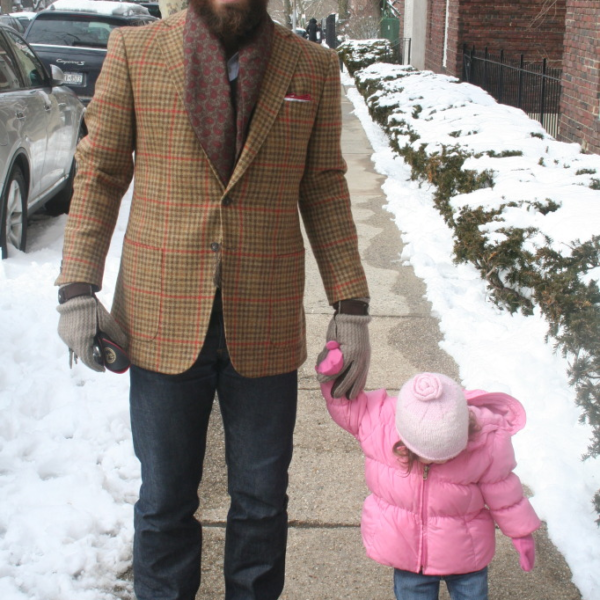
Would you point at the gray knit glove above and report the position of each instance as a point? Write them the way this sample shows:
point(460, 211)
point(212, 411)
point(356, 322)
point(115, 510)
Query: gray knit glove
point(80, 320)
point(352, 334)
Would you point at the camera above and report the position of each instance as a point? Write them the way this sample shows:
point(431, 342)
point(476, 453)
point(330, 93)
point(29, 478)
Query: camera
point(109, 354)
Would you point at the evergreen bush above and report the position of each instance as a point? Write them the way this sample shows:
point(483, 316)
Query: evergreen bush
point(358, 54)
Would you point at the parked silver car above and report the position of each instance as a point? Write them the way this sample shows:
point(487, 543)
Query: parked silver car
point(41, 121)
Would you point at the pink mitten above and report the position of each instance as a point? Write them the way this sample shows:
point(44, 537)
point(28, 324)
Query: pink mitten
point(525, 546)
point(334, 361)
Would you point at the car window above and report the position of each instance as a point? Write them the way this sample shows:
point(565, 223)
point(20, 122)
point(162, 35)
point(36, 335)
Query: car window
point(16, 24)
point(70, 32)
point(143, 21)
point(31, 67)
point(9, 79)
point(11, 22)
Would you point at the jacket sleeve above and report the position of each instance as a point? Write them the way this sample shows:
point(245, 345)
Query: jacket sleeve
point(503, 493)
point(325, 200)
point(360, 416)
point(104, 170)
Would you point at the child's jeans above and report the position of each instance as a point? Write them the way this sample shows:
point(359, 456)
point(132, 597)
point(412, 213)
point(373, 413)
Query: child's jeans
point(416, 586)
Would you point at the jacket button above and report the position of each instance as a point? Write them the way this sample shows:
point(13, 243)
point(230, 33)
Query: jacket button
point(215, 246)
point(227, 201)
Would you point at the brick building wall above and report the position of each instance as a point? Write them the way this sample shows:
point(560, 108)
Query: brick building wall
point(581, 75)
point(534, 28)
point(436, 34)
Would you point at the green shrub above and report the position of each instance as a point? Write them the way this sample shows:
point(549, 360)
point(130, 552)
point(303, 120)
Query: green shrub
point(358, 54)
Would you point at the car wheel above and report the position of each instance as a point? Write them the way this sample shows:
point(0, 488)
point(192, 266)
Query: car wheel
point(14, 213)
point(60, 203)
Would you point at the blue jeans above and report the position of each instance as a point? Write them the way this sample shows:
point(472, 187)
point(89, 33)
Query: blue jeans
point(416, 586)
point(169, 420)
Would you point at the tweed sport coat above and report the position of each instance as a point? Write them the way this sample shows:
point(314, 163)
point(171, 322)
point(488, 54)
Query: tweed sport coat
point(181, 215)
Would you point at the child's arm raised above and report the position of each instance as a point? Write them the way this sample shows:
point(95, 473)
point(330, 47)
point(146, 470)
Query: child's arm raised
point(348, 414)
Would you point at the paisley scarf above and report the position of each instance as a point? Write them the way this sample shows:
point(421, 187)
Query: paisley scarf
point(221, 132)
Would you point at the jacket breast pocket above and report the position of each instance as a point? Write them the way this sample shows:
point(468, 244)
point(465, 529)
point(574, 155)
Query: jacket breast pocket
point(138, 291)
point(287, 314)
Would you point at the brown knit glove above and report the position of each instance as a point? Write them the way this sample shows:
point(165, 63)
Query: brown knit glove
point(80, 320)
point(352, 334)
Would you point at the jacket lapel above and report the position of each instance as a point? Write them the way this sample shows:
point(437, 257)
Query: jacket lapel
point(277, 78)
point(170, 41)
point(276, 82)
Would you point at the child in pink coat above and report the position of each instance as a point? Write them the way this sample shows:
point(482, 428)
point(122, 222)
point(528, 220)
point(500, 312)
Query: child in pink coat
point(438, 463)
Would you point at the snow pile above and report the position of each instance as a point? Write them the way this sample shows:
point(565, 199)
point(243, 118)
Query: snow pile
point(68, 475)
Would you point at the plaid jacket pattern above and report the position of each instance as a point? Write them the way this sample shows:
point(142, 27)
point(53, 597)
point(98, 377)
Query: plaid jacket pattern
point(182, 216)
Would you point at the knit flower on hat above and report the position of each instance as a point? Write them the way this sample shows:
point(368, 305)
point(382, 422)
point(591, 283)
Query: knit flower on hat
point(426, 387)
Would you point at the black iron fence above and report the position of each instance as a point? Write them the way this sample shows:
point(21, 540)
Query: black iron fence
point(533, 87)
point(399, 53)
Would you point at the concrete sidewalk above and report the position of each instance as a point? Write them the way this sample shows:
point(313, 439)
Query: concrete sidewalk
point(326, 560)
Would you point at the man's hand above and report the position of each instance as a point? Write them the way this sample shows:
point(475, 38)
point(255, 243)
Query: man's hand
point(351, 332)
point(80, 320)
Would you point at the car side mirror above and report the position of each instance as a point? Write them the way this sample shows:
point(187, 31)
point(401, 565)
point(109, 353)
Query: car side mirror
point(57, 76)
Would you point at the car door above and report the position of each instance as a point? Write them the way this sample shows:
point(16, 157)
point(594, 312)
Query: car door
point(61, 125)
point(13, 109)
point(10, 99)
point(39, 115)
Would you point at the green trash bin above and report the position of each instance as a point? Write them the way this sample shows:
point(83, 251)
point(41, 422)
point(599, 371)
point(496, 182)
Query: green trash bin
point(390, 30)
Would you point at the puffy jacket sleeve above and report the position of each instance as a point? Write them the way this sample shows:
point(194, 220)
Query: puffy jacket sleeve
point(503, 493)
point(359, 417)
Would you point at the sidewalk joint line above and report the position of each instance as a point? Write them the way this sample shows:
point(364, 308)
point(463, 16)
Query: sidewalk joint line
point(291, 525)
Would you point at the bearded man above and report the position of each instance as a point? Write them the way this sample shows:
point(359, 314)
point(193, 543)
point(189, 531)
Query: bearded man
point(231, 126)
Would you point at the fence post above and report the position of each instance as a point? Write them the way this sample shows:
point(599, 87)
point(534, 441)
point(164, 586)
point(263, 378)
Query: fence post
point(519, 94)
point(543, 92)
point(501, 78)
point(485, 62)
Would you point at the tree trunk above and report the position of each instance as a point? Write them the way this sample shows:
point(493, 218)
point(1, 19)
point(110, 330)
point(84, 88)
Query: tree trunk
point(287, 11)
point(344, 8)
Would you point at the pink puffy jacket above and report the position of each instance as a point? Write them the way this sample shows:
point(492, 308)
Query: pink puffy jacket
point(438, 519)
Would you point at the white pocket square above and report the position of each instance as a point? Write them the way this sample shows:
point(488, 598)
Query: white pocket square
point(298, 98)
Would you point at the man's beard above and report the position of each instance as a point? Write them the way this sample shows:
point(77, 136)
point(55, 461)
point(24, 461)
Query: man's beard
point(232, 22)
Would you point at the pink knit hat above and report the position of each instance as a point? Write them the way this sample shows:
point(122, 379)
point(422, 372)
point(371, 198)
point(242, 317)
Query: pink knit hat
point(432, 417)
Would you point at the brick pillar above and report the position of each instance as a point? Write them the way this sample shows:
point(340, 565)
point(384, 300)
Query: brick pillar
point(581, 75)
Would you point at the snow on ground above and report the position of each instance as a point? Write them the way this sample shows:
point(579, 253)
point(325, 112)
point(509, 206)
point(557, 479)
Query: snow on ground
point(68, 476)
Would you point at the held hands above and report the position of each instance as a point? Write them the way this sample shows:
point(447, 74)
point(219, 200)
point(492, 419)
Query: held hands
point(80, 320)
point(525, 546)
point(351, 334)
point(333, 362)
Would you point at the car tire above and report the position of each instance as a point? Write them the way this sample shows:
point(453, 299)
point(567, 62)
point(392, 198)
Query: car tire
point(13, 232)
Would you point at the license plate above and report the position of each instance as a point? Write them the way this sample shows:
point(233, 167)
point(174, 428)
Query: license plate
point(74, 78)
